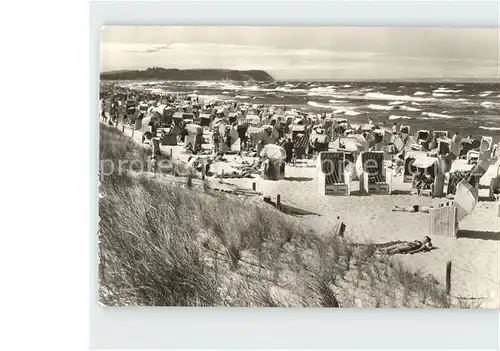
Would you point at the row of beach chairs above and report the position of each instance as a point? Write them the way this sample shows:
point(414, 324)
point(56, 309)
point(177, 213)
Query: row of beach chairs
point(335, 179)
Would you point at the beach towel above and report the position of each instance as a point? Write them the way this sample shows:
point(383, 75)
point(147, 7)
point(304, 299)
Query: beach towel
point(423, 135)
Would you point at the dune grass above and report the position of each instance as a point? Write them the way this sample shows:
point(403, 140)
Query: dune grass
point(163, 245)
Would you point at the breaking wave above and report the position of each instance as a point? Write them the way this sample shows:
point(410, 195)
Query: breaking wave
point(381, 96)
point(346, 112)
point(291, 90)
point(380, 107)
point(322, 91)
point(318, 105)
point(489, 128)
point(398, 117)
point(435, 115)
point(337, 101)
point(397, 102)
point(336, 109)
point(489, 104)
point(486, 93)
point(444, 90)
point(407, 108)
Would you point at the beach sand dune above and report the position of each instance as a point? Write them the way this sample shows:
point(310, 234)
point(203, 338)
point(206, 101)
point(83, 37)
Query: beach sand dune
point(474, 254)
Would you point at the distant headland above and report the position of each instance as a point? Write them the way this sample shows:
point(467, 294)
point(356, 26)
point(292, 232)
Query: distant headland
point(188, 74)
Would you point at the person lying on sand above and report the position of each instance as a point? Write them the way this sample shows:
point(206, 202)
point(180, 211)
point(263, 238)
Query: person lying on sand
point(414, 208)
point(409, 247)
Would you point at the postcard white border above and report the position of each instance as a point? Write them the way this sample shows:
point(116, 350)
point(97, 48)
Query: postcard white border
point(279, 328)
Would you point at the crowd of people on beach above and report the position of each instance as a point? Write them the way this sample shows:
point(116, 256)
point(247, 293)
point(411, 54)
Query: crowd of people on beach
point(246, 129)
point(243, 128)
point(267, 126)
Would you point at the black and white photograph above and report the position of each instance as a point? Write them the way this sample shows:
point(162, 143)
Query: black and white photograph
point(280, 166)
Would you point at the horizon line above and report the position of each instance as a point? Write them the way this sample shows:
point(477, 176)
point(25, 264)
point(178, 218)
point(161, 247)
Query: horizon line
point(385, 80)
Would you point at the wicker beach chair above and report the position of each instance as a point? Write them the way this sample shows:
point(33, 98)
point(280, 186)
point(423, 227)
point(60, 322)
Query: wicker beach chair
point(333, 178)
point(416, 147)
point(404, 129)
point(373, 177)
point(453, 179)
point(445, 218)
point(447, 146)
point(168, 137)
point(194, 137)
point(300, 143)
point(495, 152)
point(467, 145)
point(274, 163)
point(205, 119)
point(430, 166)
point(408, 169)
point(273, 170)
point(423, 138)
point(472, 156)
point(486, 144)
point(440, 134)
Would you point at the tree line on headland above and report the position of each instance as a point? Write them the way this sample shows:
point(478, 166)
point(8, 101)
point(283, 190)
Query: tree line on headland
point(188, 74)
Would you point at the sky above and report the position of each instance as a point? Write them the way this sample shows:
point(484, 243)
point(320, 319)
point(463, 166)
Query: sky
point(309, 53)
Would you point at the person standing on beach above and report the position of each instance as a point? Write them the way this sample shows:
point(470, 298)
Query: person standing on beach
point(370, 121)
point(289, 150)
point(395, 128)
point(455, 138)
point(434, 143)
point(400, 163)
point(103, 111)
point(216, 139)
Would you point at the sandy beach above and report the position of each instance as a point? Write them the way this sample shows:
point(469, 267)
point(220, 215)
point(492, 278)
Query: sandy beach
point(475, 257)
point(474, 254)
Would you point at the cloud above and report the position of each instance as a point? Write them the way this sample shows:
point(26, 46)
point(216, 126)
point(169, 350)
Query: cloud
point(151, 50)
